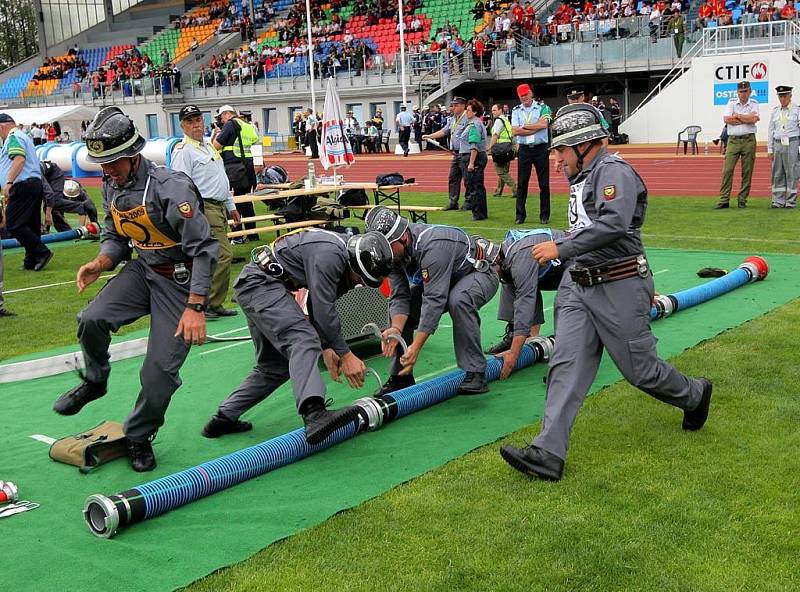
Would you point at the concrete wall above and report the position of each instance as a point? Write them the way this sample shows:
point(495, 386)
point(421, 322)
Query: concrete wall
point(699, 96)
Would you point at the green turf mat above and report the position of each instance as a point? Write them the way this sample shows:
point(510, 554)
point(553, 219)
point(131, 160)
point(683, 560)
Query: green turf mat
point(187, 543)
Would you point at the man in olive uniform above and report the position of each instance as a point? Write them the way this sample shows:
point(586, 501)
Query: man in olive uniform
point(604, 301)
point(501, 134)
point(455, 124)
point(783, 139)
point(677, 27)
point(160, 212)
point(288, 344)
point(437, 268)
point(740, 116)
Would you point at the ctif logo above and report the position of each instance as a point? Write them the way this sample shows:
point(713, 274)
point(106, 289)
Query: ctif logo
point(758, 71)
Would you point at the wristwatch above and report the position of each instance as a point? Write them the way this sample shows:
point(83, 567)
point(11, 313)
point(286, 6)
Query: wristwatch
point(196, 306)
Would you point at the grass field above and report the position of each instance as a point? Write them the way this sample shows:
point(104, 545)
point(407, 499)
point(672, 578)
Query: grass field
point(643, 506)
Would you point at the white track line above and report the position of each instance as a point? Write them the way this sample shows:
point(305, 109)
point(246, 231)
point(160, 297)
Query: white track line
point(237, 344)
point(41, 438)
point(661, 271)
point(228, 332)
point(104, 277)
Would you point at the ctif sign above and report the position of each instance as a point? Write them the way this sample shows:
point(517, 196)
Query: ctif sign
point(726, 76)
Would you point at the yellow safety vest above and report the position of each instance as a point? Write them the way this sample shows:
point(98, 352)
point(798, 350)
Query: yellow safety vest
point(249, 137)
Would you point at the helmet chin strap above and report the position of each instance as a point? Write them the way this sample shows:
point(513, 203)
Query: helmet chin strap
point(581, 156)
point(134, 160)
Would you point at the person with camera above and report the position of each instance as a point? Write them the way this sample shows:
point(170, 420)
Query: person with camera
point(501, 147)
point(233, 137)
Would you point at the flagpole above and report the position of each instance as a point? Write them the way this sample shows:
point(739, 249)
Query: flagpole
point(311, 58)
point(402, 26)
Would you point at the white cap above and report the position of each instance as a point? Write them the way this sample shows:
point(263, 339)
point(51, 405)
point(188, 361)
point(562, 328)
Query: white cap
point(225, 108)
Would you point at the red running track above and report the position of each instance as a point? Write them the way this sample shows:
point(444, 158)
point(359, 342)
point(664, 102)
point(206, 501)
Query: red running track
point(663, 172)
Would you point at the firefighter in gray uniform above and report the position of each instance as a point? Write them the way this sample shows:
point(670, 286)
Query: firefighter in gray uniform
point(160, 212)
point(604, 301)
point(288, 345)
point(522, 280)
point(458, 167)
point(783, 140)
point(437, 268)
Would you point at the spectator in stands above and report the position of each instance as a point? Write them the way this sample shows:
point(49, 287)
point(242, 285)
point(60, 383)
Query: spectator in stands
point(22, 189)
point(677, 28)
point(194, 45)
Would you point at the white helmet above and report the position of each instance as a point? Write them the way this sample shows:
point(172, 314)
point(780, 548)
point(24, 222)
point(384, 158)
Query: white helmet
point(72, 188)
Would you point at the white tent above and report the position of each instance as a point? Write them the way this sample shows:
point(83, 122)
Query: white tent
point(69, 117)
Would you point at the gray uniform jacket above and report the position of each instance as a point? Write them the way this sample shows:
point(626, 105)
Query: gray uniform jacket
point(175, 209)
point(607, 207)
point(455, 131)
point(317, 260)
point(523, 271)
point(438, 259)
point(479, 137)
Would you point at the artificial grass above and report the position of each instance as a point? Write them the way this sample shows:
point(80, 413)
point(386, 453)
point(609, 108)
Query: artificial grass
point(253, 514)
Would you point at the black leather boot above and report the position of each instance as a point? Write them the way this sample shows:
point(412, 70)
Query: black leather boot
point(695, 419)
point(141, 456)
point(73, 400)
point(534, 461)
point(219, 425)
point(504, 344)
point(321, 423)
point(474, 384)
point(395, 383)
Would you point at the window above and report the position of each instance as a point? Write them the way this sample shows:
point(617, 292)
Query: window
point(292, 112)
point(152, 126)
point(175, 124)
point(373, 107)
point(268, 118)
point(358, 111)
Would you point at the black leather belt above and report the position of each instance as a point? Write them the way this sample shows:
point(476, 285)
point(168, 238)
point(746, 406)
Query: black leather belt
point(180, 272)
point(603, 274)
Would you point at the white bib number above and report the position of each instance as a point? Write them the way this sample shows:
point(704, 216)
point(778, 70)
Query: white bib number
point(577, 213)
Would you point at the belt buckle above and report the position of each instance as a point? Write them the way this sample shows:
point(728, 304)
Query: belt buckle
point(180, 274)
point(641, 266)
point(583, 274)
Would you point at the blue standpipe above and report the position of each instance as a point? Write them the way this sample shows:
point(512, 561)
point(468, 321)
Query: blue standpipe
point(106, 515)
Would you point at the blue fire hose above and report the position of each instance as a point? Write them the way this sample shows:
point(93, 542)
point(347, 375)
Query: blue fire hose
point(106, 515)
point(89, 231)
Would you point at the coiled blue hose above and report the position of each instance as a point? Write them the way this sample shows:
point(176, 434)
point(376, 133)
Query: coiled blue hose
point(105, 515)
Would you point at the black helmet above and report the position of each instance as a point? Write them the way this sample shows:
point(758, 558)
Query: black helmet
point(576, 124)
point(112, 136)
point(370, 257)
point(388, 222)
point(276, 174)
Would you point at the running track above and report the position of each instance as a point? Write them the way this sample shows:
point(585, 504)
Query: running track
point(663, 171)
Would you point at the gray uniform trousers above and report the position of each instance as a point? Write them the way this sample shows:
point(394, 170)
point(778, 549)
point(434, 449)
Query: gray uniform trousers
point(614, 316)
point(135, 292)
point(287, 346)
point(2, 271)
point(784, 174)
point(508, 296)
point(466, 298)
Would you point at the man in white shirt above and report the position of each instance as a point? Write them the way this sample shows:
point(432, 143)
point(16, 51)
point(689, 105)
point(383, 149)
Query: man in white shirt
point(202, 163)
point(740, 116)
